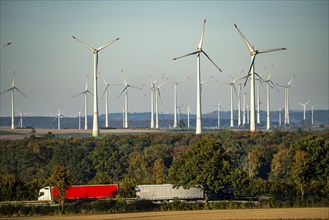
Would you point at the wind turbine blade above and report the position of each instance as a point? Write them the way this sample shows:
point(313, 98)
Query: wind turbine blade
point(107, 86)
point(290, 81)
point(176, 58)
point(122, 91)
point(79, 93)
point(5, 45)
point(202, 35)
point(134, 87)
point(89, 92)
point(84, 44)
point(270, 50)
point(20, 92)
point(244, 39)
point(281, 85)
point(211, 60)
point(251, 64)
point(108, 44)
point(307, 102)
point(6, 91)
point(300, 104)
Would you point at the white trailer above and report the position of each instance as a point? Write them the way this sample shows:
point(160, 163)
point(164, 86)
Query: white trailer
point(166, 192)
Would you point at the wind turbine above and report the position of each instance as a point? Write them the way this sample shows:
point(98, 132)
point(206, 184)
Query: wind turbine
point(59, 115)
point(5, 45)
point(125, 90)
point(179, 113)
point(106, 91)
point(198, 51)
point(286, 100)
point(304, 107)
point(20, 124)
point(251, 73)
point(85, 92)
point(218, 114)
point(94, 51)
point(12, 89)
point(79, 116)
point(152, 90)
point(157, 94)
point(312, 106)
point(232, 87)
point(244, 112)
point(188, 116)
point(280, 120)
point(268, 85)
point(175, 98)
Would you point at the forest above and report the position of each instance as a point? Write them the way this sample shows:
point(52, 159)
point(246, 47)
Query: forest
point(279, 165)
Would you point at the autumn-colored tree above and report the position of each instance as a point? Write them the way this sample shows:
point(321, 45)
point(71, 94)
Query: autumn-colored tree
point(206, 166)
point(158, 172)
point(300, 171)
point(61, 179)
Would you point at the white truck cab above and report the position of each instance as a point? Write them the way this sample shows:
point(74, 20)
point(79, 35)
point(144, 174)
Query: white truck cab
point(45, 194)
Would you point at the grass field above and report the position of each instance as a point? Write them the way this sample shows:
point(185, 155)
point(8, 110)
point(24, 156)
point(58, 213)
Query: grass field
point(279, 213)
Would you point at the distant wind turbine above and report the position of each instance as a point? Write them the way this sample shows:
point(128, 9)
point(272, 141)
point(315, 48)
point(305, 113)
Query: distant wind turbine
point(232, 87)
point(94, 51)
point(198, 51)
point(12, 89)
point(251, 73)
point(286, 100)
point(188, 116)
point(269, 83)
point(85, 92)
point(175, 83)
point(218, 114)
point(59, 116)
point(312, 106)
point(20, 124)
point(244, 112)
point(79, 116)
point(304, 107)
point(157, 95)
point(152, 91)
point(106, 92)
point(125, 90)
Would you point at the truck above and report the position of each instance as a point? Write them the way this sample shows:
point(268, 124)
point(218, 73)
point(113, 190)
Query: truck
point(167, 192)
point(77, 192)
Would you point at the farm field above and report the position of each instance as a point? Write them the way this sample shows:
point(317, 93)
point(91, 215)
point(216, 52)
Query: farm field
point(278, 213)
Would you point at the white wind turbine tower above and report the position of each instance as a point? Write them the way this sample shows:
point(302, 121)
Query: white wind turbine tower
point(79, 117)
point(188, 116)
point(20, 124)
point(198, 52)
point(268, 85)
point(232, 87)
point(125, 90)
point(94, 51)
point(123, 117)
point(152, 90)
point(312, 106)
point(106, 92)
point(175, 98)
point(12, 89)
point(157, 94)
point(304, 107)
point(85, 92)
point(251, 73)
point(286, 100)
point(280, 120)
point(218, 114)
point(244, 113)
point(179, 113)
point(59, 115)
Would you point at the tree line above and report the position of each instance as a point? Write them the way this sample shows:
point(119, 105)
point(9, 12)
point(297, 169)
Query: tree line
point(280, 165)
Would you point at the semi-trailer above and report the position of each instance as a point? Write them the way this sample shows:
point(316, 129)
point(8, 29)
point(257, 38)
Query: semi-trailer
point(167, 192)
point(80, 192)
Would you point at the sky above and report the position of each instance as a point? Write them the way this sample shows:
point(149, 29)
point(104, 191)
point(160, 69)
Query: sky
point(51, 67)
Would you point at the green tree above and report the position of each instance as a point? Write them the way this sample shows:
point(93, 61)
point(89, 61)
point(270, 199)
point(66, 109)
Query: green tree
point(300, 171)
point(206, 166)
point(61, 179)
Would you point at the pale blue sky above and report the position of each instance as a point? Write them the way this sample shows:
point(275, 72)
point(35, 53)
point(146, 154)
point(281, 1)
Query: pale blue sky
point(51, 66)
